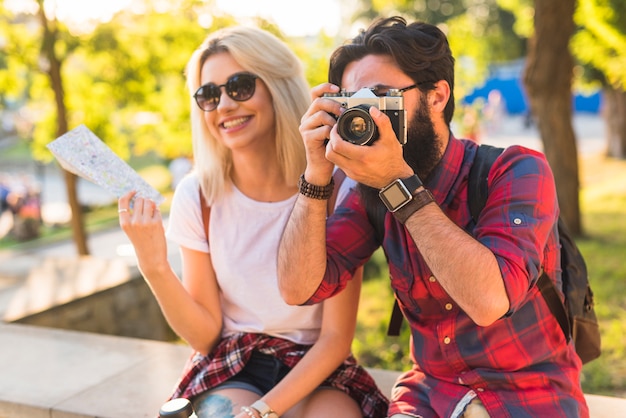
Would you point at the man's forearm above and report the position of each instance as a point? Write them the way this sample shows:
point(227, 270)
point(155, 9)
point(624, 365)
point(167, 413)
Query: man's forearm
point(465, 268)
point(302, 251)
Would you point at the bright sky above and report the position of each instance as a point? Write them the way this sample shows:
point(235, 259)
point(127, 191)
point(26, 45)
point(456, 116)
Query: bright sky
point(295, 18)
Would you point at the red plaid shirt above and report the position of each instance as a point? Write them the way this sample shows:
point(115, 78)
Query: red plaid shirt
point(231, 355)
point(520, 366)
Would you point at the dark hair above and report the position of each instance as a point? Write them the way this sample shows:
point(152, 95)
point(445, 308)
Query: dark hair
point(419, 49)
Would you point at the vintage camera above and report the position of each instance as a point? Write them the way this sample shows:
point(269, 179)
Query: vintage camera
point(357, 126)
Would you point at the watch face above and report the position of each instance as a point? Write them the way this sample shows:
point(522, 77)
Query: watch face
point(395, 196)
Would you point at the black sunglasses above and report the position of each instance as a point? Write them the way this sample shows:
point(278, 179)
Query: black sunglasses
point(239, 87)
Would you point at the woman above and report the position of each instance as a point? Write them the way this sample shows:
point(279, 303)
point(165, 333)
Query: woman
point(255, 355)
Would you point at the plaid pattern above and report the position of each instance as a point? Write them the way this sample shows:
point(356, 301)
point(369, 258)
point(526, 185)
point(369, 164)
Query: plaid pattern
point(519, 366)
point(231, 355)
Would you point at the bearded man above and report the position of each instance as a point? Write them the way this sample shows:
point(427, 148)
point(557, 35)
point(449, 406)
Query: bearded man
point(483, 340)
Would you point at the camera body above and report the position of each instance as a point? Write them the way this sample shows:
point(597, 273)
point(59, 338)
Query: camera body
point(355, 125)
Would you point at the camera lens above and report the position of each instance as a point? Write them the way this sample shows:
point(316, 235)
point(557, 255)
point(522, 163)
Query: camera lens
point(356, 125)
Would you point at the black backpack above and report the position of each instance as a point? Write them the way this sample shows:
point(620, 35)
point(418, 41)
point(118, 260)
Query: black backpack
point(576, 317)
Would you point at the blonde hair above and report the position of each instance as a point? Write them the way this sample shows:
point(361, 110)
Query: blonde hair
point(263, 54)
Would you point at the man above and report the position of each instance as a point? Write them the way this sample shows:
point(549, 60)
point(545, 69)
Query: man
point(484, 342)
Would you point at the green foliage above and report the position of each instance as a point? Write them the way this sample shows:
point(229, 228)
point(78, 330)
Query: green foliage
point(601, 42)
point(315, 56)
point(129, 83)
point(524, 12)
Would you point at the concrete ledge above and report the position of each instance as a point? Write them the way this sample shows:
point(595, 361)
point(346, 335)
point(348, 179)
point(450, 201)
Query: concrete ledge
point(105, 296)
point(67, 374)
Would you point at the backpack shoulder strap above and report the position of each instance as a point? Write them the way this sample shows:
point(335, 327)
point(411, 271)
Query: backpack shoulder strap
point(339, 176)
point(206, 213)
point(553, 300)
point(478, 188)
point(395, 322)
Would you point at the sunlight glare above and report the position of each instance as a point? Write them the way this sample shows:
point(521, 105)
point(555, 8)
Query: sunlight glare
point(292, 17)
point(77, 11)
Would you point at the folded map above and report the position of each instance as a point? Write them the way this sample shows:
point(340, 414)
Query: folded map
point(81, 152)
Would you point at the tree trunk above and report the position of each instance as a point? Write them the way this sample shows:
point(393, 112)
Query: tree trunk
point(54, 73)
point(548, 81)
point(614, 112)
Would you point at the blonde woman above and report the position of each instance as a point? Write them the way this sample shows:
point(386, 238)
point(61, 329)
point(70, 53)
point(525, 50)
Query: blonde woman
point(255, 356)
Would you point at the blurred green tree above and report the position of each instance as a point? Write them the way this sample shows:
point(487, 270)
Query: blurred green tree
point(600, 45)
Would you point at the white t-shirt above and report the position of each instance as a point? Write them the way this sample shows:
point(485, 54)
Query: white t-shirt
point(244, 235)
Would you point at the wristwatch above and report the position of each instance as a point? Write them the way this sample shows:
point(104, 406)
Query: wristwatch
point(399, 192)
point(402, 199)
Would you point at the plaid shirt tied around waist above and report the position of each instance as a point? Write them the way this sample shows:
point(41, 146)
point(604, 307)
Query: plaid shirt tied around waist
point(230, 356)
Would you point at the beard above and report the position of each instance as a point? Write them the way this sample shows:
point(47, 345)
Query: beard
point(421, 152)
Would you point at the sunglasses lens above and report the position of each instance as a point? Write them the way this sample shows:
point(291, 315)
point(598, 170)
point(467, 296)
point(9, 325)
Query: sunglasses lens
point(208, 96)
point(240, 87)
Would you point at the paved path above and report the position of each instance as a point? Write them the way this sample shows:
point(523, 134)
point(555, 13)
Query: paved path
point(589, 131)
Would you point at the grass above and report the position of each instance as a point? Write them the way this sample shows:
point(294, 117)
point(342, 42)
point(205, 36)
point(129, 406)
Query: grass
point(603, 202)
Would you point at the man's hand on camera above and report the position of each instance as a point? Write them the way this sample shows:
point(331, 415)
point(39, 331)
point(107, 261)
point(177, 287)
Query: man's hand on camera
point(375, 165)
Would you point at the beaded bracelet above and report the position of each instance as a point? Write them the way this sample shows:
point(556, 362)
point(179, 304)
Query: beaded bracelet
point(316, 192)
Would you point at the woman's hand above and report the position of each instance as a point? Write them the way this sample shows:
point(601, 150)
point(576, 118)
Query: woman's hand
point(144, 227)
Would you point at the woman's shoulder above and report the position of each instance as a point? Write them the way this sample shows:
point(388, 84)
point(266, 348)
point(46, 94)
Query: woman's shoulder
point(186, 190)
point(190, 181)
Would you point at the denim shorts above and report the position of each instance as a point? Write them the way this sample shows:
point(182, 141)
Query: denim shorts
point(260, 374)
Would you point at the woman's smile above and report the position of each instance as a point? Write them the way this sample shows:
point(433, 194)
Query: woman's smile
point(235, 123)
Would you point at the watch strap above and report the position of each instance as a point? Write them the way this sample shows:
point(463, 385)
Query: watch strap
point(405, 187)
point(264, 409)
point(420, 199)
point(412, 183)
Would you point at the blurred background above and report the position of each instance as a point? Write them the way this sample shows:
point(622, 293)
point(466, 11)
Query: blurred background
point(549, 74)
